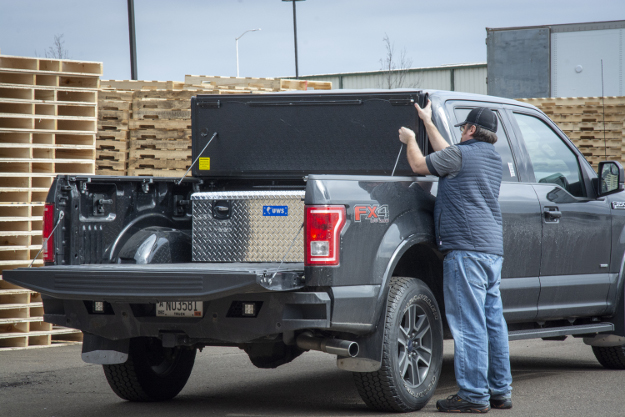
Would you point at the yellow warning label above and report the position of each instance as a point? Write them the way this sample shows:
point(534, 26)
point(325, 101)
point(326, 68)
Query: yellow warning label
point(205, 164)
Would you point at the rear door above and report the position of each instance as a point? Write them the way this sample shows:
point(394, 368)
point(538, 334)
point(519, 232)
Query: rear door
point(520, 285)
point(576, 227)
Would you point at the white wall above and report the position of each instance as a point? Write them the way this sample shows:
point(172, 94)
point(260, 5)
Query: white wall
point(576, 63)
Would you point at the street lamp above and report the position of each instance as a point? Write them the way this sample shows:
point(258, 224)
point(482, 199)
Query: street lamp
point(133, 40)
point(295, 35)
point(236, 42)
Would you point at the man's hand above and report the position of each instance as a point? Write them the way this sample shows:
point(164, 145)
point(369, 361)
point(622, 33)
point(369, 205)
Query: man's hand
point(415, 157)
point(406, 135)
point(425, 113)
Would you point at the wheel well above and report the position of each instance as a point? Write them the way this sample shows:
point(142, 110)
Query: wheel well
point(424, 263)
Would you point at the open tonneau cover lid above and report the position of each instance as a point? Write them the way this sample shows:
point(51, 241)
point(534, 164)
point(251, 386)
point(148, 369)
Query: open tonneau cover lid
point(289, 136)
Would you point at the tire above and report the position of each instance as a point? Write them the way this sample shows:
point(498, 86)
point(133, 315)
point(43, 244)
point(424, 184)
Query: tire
point(412, 315)
point(152, 372)
point(612, 357)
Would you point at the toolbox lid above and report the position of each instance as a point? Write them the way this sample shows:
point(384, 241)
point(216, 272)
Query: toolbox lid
point(289, 136)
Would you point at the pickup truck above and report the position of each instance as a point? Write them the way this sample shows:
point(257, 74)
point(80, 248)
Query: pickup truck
point(303, 228)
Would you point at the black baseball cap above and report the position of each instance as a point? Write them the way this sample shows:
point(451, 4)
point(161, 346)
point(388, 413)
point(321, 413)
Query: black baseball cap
point(482, 117)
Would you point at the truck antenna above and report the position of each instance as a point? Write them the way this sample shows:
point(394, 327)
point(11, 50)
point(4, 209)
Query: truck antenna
point(605, 144)
point(198, 157)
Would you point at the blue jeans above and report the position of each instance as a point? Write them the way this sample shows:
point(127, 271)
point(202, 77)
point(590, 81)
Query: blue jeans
point(475, 317)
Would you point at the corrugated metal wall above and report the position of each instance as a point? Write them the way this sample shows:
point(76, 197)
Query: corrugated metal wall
point(469, 78)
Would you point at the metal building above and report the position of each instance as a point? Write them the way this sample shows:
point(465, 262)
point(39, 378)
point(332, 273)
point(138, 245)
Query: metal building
point(556, 60)
point(469, 78)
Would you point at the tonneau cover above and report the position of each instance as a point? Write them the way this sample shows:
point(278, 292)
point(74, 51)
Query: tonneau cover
point(294, 135)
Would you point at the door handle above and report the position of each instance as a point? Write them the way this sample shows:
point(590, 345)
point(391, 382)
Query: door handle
point(552, 214)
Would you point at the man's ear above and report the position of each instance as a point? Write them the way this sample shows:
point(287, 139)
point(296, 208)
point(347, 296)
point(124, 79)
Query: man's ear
point(472, 130)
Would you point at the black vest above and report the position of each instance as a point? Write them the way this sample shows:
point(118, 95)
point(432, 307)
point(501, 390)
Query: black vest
point(467, 214)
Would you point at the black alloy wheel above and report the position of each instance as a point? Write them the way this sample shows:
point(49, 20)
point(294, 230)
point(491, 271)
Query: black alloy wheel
point(415, 343)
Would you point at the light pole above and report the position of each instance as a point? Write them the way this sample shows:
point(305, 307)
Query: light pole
point(133, 41)
point(236, 42)
point(295, 35)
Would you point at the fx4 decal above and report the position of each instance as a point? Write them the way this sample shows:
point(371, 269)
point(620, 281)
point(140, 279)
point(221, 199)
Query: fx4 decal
point(372, 213)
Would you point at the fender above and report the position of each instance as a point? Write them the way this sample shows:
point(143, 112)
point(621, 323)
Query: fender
point(370, 354)
point(617, 307)
point(410, 227)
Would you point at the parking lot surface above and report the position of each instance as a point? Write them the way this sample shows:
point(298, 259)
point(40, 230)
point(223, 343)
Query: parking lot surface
point(550, 379)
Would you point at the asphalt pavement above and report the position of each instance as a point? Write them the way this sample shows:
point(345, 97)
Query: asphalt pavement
point(550, 379)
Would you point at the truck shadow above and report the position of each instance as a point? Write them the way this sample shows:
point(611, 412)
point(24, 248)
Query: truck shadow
point(325, 392)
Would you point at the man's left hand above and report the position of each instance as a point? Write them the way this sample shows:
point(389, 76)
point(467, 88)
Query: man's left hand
point(406, 135)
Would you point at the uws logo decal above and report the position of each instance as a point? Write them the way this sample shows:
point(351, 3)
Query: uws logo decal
point(371, 213)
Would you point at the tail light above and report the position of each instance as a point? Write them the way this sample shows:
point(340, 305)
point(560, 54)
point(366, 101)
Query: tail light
point(48, 227)
point(323, 225)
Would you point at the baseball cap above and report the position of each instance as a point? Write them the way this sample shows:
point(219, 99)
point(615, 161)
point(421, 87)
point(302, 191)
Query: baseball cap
point(482, 117)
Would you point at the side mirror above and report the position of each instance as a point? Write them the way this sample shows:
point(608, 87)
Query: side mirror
point(611, 178)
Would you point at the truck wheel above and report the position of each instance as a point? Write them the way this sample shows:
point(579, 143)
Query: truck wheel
point(152, 372)
point(612, 357)
point(412, 351)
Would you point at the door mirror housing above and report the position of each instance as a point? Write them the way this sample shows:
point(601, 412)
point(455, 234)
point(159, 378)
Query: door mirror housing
point(611, 178)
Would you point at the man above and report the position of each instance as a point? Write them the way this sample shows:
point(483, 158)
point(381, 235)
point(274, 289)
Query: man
point(468, 229)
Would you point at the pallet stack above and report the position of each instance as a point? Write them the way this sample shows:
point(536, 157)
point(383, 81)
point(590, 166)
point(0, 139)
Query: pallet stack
point(583, 119)
point(48, 115)
point(158, 114)
point(112, 140)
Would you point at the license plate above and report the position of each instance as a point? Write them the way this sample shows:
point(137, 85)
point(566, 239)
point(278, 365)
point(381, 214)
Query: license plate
point(180, 309)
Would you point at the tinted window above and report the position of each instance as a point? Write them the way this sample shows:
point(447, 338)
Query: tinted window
point(502, 145)
point(553, 162)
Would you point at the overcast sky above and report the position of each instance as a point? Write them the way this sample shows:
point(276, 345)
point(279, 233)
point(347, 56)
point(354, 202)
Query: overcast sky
point(197, 37)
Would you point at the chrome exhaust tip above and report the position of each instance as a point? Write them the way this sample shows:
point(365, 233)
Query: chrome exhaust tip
point(339, 347)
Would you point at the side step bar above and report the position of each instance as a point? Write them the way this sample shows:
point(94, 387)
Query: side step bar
point(560, 331)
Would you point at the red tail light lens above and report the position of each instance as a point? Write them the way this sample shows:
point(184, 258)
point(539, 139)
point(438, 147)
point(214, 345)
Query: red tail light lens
point(48, 226)
point(323, 225)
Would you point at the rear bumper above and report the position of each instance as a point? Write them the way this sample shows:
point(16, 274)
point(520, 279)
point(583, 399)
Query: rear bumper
point(157, 282)
point(132, 291)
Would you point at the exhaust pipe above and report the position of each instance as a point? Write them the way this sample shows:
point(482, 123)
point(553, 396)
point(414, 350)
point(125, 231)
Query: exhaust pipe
point(338, 347)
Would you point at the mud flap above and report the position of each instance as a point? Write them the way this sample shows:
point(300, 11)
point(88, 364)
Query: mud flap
point(101, 351)
point(369, 357)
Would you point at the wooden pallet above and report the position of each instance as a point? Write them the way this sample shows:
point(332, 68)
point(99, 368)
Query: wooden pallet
point(257, 84)
point(161, 172)
point(595, 125)
point(141, 85)
point(145, 134)
point(48, 124)
point(157, 164)
point(161, 104)
point(143, 155)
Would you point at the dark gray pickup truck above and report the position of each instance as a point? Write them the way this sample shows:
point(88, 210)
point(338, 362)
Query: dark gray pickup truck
point(303, 228)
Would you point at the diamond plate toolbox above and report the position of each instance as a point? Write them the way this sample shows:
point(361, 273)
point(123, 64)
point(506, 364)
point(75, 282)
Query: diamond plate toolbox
point(248, 226)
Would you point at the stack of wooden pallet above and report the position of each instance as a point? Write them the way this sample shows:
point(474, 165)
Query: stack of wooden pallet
point(595, 125)
point(48, 114)
point(112, 140)
point(153, 118)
